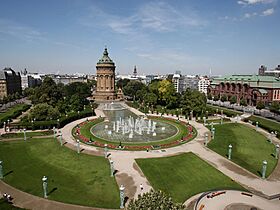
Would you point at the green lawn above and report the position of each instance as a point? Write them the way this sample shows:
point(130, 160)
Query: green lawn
point(78, 179)
point(184, 175)
point(267, 124)
point(28, 134)
point(227, 112)
point(250, 148)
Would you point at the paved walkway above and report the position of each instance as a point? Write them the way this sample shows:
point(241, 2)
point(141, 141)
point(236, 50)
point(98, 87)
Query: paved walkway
point(130, 175)
point(232, 198)
point(124, 162)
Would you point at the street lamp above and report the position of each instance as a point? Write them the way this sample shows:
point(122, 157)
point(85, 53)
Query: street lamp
point(45, 186)
point(122, 195)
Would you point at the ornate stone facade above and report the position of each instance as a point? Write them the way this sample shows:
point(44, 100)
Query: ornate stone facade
point(252, 88)
point(105, 73)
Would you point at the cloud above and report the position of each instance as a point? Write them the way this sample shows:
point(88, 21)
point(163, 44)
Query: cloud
point(14, 29)
point(152, 16)
point(268, 12)
point(252, 2)
point(250, 15)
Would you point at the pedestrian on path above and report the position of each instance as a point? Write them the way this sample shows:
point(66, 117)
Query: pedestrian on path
point(141, 187)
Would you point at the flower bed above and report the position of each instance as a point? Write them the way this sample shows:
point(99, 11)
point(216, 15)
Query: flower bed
point(96, 142)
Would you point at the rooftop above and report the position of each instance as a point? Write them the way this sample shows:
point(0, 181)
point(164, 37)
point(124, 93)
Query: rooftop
point(105, 58)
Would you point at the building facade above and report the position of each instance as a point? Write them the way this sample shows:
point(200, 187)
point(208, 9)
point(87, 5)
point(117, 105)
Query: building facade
point(105, 74)
point(29, 79)
point(251, 88)
point(203, 84)
point(273, 72)
point(10, 82)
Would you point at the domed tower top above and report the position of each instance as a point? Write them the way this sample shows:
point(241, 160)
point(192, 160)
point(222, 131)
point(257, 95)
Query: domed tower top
point(105, 58)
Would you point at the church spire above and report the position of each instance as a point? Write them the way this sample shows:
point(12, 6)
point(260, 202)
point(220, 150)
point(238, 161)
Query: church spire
point(135, 71)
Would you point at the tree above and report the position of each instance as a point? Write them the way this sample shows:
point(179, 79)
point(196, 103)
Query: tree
point(154, 200)
point(224, 98)
point(166, 90)
point(216, 97)
point(260, 105)
point(275, 107)
point(233, 100)
point(122, 83)
point(193, 100)
point(209, 96)
point(243, 102)
point(150, 98)
point(132, 87)
point(43, 112)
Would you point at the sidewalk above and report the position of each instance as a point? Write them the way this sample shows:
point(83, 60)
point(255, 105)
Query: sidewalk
point(130, 175)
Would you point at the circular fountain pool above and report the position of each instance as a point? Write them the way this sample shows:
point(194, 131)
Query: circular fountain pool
point(148, 131)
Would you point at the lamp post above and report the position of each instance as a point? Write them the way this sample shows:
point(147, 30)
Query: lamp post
point(4, 126)
point(277, 151)
point(58, 123)
point(229, 151)
point(78, 146)
point(60, 138)
point(264, 166)
point(112, 168)
point(54, 132)
point(204, 121)
point(24, 134)
point(213, 133)
point(105, 150)
point(257, 125)
point(45, 186)
point(206, 139)
point(122, 195)
point(1, 170)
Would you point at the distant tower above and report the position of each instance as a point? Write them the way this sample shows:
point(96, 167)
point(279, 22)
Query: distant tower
point(105, 72)
point(135, 72)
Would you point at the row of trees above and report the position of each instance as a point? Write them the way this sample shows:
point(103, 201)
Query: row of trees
point(274, 107)
point(10, 98)
point(162, 93)
point(51, 100)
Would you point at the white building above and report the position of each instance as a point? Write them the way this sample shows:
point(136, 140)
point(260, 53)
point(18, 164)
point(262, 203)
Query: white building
point(29, 79)
point(176, 82)
point(203, 84)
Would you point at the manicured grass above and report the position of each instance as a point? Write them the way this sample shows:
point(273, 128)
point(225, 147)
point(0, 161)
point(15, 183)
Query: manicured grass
point(28, 134)
point(215, 120)
point(227, 112)
point(249, 149)
point(85, 131)
point(4, 205)
point(13, 112)
point(184, 175)
point(266, 124)
point(73, 178)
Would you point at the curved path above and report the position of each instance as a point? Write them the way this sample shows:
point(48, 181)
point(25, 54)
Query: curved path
point(232, 197)
point(131, 176)
point(124, 162)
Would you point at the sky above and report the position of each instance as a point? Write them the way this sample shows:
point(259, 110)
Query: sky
point(159, 37)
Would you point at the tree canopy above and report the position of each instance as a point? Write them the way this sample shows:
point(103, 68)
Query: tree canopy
point(154, 200)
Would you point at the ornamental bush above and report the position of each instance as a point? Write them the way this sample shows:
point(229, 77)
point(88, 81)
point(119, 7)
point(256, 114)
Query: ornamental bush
point(154, 200)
